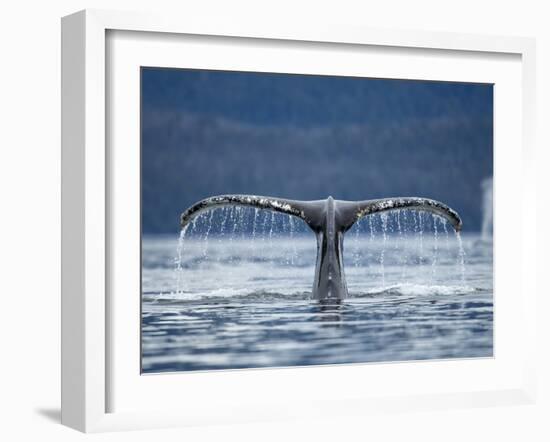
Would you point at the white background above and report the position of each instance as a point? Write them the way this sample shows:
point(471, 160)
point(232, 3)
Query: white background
point(30, 217)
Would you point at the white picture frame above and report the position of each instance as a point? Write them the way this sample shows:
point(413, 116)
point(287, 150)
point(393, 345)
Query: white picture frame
point(86, 204)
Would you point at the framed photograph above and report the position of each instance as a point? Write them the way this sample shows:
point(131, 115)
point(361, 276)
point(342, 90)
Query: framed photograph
point(263, 222)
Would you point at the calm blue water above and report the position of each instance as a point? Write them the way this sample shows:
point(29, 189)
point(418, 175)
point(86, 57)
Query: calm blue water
point(238, 295)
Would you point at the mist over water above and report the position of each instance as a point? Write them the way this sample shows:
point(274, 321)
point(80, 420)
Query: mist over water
point(487, 209)
point(234, 291)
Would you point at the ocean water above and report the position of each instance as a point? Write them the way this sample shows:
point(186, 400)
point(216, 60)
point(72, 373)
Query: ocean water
point(235, 292)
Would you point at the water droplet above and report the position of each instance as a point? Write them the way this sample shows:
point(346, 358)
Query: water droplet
point(384, 219)
point(179, 259)
point(461, 259)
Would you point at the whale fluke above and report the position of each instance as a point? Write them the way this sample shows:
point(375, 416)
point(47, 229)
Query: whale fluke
point(288, 207)
point(329, 219)
point(352, 211)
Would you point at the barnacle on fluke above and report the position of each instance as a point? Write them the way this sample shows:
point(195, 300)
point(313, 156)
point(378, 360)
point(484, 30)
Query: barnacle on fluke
point(330, 219)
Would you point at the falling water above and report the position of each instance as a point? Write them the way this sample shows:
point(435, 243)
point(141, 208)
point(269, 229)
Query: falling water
point(234, 221)
point(179, 259)
point(461, 258)
point(256, 211)
point(286, 258)
point(435, 253)
point(399, 238)
point(241, 220)
point(389, 252)
point(371, 233)
point(447, 246)
point(264, 225)
point(356, 249)
point(223, 223)
point(205, 239)
point(421, 237)
point(402, 232)
point(233, 211)
point(271, 227)
point(384, 219)
point(294, 257)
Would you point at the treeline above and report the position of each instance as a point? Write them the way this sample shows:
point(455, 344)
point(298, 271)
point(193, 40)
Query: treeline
point(187, 157)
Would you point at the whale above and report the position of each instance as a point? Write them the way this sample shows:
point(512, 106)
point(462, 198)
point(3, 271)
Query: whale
point(329, 219)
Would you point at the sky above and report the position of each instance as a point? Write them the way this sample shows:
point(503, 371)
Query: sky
point(207, 133)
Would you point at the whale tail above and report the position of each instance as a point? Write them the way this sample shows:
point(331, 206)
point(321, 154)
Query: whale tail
point(352, 211)
point(312, 212)
point(300, 209)
point(330, 219)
